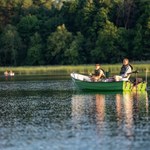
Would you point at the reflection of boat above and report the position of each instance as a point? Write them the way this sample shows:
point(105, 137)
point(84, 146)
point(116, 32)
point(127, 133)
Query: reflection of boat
point(109, 111)
point(128, 106)
point(83, 82)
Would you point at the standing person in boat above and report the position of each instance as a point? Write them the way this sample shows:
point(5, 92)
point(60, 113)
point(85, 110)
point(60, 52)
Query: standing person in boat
point(98, 73)
point(125, 71)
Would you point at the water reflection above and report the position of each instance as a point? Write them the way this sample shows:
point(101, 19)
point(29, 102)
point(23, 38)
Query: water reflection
point(100, 107)
point(115, 114)
point(81, 109)
point(125, 102)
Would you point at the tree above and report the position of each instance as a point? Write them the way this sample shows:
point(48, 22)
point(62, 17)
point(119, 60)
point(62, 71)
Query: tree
point(106, 49)
point(75, 53)
point(143, 20)
point(10, 46)
point(57, 43)
point(26, 3)
point(146, 41)
point(34, 54)
point(27, 26)
point(46, 3)
point(124, 43)
point(7, 11)
point(137, 43)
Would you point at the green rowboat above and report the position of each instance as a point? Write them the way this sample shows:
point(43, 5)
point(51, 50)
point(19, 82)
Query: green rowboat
point(84, 83)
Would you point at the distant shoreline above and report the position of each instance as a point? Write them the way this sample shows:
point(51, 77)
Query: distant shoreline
point(67, 69)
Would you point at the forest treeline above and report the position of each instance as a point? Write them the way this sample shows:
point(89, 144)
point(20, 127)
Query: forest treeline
point(48, 32)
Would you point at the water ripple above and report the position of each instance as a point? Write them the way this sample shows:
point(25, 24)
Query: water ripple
point(43, 115)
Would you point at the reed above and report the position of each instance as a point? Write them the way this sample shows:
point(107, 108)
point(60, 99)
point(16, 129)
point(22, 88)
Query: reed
point(66, 70)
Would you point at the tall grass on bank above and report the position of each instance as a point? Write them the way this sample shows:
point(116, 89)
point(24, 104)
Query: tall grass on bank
point(66, 70)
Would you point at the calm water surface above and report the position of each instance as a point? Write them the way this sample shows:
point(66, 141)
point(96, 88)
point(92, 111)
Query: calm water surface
point(49, 114)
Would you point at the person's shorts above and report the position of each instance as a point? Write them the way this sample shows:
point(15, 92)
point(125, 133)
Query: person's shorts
point(120, 78)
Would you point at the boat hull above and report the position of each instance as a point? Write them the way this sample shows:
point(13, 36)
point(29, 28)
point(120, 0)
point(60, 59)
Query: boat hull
point(83, 83)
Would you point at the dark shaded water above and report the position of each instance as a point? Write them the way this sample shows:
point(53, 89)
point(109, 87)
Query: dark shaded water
point(50, 115)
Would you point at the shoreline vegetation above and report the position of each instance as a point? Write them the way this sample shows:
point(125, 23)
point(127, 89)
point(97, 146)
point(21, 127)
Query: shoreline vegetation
point(65, 70)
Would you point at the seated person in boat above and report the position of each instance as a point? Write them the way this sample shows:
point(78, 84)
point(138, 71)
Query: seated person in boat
point(98, 73)
point(125, 71)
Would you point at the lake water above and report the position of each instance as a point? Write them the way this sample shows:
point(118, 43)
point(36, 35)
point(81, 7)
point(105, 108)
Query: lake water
point(49, 114)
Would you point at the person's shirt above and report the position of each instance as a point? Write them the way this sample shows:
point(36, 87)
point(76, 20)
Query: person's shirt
point(125, 69)
point(99, 72)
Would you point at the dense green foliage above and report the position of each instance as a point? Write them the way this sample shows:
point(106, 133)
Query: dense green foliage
point(47, 32)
